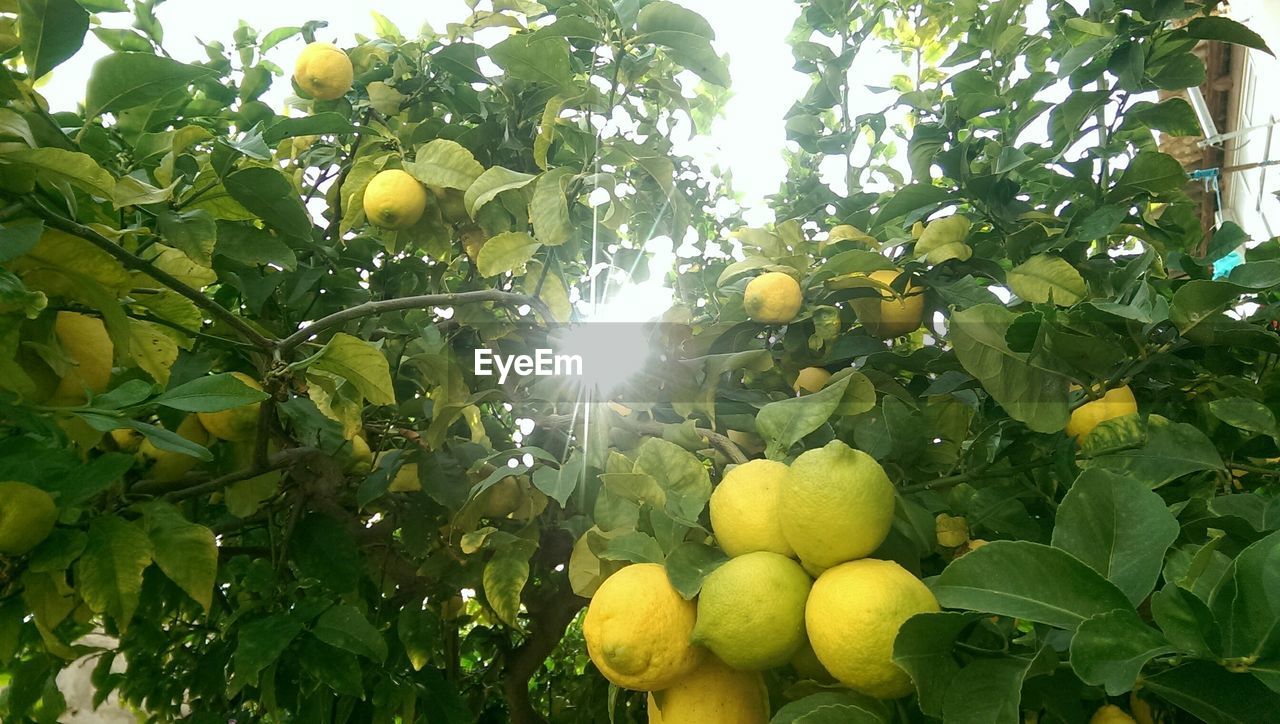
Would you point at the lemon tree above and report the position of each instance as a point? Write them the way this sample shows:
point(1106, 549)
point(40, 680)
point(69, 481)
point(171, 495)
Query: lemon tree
point(983, 389)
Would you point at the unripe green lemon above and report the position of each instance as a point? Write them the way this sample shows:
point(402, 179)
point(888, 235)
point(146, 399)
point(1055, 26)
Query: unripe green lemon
point(836, 505)
point(744, 509)
point(394, 200)
point(324, 71)
point(751, 611)
point(712, 694)
point(638, 630)
point(27, 515)
point(238, 423)
point(853, 616)
point(773, 298)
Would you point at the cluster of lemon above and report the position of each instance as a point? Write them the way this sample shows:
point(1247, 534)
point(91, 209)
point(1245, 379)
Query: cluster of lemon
point(701, 661)
point(775, 298)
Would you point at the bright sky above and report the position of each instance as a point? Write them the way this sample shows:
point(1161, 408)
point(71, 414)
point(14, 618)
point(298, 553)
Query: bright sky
point(748, 140)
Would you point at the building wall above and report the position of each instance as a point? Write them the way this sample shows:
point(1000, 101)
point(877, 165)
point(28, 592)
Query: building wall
point(1249, 196)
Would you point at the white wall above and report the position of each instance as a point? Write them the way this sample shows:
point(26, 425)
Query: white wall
point(1249, 196)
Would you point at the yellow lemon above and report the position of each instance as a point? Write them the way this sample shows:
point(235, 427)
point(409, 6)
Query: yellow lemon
point(1114, 403)
point(452, 206)
point(472, 239)
point(853, 615)
point(952, 531)
point(27, 515)
point(360, 460)
point(810, 379)
point(751, 611)
point(890, 316)
point(712, 694)
point(1143, 713)
point(238, 423)
point(85, 341)
point(406, 480)
point(1111, 714)
point(168, 466)
point(126, 439)
point(773, 298)
point(836, 505)
point(744, 509)
point(394, 200)
point(324, 71)
point(638, 629)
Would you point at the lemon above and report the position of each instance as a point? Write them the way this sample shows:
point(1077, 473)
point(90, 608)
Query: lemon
point(810, 379)
point(27, 515)
point(891, 315)
point(773, 298)
point(502, 498)
point(806, 664)
point(452, 206)
point(847, 232)
point(751, 611)
point(951, 531)
point(473, 239)
point(638, 629)
point(1143, 713)
point(1114, 403)
point(836, 505)
point(394, 200)
point(1111, 714)
point(126, 439)
point(744, 509)
point(406, 480)
point(168, 466)
point(853, 615)
point(238, 423)
point(324, 71)
point(85, 341)
point(360, 460)
point(712, 694)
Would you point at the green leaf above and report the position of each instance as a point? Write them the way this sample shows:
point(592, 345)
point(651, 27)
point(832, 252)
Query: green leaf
point(505, 576)
point(491, 183)
point(783, 423)
point(191, 232)
point(1110, 649)
point(834, 707)
point(1028, 393)
point(261, 642)
point(987, 691)
point(923, 649)
point(19, 237)
point(1150, 172)
point(360, 363)
point(110, 571)
point(910, 199)
point(1247, 603)
point(316, 124)
point(1164, 452)
point(345, 627)
point(672, 27)
point(1245, 414)
point(253, 246)
point(1214, 694)
point(1186, 621)
point(51, 31)
point(683, 478)
point(1118, 527)
point(418, 629)
point(536, 58)
point(560, 484)
point(1027, 580)
point(270, 195)
point(1044, 278)
point(324, 550)
point(444, 163)
point(506, 252)
point(632, 546)
point(121, 81)
point(1228, 31)
point(549, 209)
point(153, 348)
point(689, 563)
point(123, 39)
point(185, 551)
point(60, 166)
point(547, 130)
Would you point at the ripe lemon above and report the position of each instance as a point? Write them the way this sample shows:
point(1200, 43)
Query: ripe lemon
point(712, 694)
point(394, 200)
point(773, 298)
point(751, 611)
point(638, 629)
point(744, 509)
point(951, 531)
point(452, 206)
point(1115, 403)
point(1143, 713)
point(836, 505)
point(324, 71)
point(810, 379)
point(406, 480)
point(126, 439)
point(853, 615)
point(890, 316)
point(168, 466)
point(238, 423)
point(85, 341)
point(1111, 714)
point(27, 515)
point(360, 457)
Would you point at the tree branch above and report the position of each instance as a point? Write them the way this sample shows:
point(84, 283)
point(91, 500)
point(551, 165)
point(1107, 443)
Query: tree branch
point(424, 301)
point(137, 263)
point(978, 474)
point(282, 459)
point(547, 626)
point(715, 439)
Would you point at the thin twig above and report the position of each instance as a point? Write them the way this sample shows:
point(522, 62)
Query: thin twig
point(715, 439)
point(983, 472)
point(282, 459)
point(424, 301)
